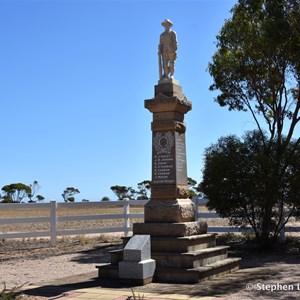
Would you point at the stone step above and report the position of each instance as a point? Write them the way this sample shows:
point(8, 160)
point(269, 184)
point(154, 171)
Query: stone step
point(183, 244)
point(108, 271)
point(180, 244)
point(190, 259)
point(194, 275)
point(116, 256)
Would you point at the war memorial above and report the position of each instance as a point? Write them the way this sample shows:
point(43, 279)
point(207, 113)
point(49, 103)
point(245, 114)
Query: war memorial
point(171, 245)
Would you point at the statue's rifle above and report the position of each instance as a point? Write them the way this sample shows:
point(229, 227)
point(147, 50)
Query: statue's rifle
point(159, 63)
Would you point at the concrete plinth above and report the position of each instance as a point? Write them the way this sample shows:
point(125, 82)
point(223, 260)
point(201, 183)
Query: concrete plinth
point(136, 270)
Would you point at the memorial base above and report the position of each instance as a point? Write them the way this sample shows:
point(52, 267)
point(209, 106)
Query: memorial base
point(169, 211)
point(187, 259)
point(182, 249)
point(170, 229)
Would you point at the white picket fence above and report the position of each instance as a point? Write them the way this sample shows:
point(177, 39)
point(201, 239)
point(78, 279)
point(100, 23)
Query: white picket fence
point(222, 229)
point(54, 219)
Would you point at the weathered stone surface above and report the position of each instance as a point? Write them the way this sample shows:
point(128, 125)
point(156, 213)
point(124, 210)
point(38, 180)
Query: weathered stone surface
point(138, 248)
point(168, 116)
point(168, 162)
point(183, 244)
point(169, 191)
point(169, 211)
point(190, 260)
point(169, 88)
point(162, 103)
point(167, 125)
point(171, 229)
point(197, 274)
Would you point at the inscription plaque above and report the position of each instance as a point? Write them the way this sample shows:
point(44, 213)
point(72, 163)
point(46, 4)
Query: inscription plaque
point(163, 158)
point(169, 158)
point(180, 158)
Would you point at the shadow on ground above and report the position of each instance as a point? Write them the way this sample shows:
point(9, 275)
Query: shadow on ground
point(256, 266)
point(95, 255)
point(67, 284)
point(218, 287)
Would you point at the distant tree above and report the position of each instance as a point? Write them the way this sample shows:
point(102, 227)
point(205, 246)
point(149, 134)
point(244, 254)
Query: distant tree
point(16, 192)
point(6, 200)
point(71, 199)
point(35, 187)
point(123, 192)
point(239, 182)
point(105, 199)
point(192, 187)
point(40, 198)
point(68, 194)
point(144, 190)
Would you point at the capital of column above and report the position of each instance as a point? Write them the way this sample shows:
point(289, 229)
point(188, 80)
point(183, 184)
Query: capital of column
point(168, 98)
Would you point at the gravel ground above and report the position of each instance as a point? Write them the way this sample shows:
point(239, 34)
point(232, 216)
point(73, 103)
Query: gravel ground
point(34, 261)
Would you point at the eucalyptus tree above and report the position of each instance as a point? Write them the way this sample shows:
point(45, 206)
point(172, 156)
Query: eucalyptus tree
point(69, 193)
point(256, 68)
point(15, 192)
point(238, 180)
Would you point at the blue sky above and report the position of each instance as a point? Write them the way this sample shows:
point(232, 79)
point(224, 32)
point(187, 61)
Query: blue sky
point(74, 76)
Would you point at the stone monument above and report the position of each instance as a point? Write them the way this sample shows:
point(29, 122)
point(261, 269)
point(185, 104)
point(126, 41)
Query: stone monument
point(180, 245)
point(137, 266)
point(169, 212)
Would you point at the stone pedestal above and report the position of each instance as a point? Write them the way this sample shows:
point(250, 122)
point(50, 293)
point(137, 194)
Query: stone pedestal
point(180, 245)
point(169, 204)
point(169, 190)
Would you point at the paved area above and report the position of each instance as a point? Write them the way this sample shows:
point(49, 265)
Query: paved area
point(113, 294)
point(89, 286)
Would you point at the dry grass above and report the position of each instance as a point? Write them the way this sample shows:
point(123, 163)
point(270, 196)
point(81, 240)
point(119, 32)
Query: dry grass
point(35, 211)
point(69, 211)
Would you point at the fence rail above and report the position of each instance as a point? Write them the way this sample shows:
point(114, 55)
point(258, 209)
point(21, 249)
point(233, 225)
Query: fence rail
point(54, 219)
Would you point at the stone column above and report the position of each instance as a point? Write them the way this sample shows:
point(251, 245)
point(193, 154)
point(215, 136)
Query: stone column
point(169, 201)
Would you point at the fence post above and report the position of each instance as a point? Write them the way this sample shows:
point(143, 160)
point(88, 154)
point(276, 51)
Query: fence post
point(53, 219)
point(195, 201)
point(126, 211)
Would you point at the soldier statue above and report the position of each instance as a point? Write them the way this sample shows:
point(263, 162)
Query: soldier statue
point(167, 51)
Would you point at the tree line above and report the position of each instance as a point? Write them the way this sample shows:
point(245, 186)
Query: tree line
point(19, 192)
point(143, 191)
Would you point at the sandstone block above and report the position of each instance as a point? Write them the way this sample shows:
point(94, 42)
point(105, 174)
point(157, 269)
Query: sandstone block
point(169, 211)
point(171, 229)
